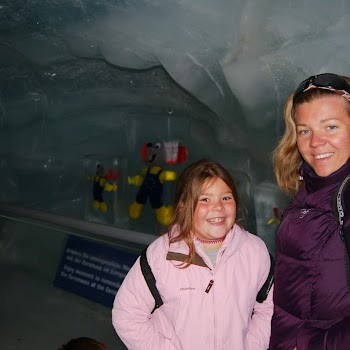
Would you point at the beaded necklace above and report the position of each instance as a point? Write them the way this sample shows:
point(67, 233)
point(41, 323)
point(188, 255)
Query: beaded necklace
point(211, 241)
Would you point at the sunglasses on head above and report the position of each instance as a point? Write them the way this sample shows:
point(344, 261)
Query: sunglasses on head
point(326, 80)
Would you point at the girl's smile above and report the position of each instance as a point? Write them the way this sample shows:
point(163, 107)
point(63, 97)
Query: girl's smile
point(215, 212)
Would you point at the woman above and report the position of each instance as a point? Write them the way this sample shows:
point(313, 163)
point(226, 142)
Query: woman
point(208, 271)
point(312, 303)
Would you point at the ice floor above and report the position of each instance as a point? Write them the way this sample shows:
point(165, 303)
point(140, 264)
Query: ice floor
point(35, 314)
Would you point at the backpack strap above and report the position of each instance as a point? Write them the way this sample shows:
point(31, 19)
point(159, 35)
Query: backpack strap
point(340, 210)
point(265, 289)
point(150, 280)
point(339, 200)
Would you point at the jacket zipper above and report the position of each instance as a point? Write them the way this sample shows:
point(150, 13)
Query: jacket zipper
point(211, 282)
point(207, 290)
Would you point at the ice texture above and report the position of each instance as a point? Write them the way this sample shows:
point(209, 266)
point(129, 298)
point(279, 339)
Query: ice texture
point(104, 77)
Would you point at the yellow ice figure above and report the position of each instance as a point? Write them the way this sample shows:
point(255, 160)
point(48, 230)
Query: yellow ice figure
point(110, 187)
point(100, 205)
point(164, 214)
point(273, 221)
point(167, 176)
point(103, 207)
point(152, 178)
point(276, 219)
point(135, 180)
point(135, 210)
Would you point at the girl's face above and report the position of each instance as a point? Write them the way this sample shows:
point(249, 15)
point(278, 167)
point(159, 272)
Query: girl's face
point(323, 133)
point(215, 212)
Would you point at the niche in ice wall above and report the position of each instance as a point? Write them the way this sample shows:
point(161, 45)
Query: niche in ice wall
point(269, 204)
point(134, 187)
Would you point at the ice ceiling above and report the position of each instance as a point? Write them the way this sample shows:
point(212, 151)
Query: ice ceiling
point(77, 75)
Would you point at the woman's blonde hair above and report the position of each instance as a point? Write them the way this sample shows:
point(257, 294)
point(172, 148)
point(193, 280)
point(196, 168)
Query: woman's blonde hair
point(188, 188)
point(286, 156)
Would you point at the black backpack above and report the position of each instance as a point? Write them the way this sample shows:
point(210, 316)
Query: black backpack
point(151, 281)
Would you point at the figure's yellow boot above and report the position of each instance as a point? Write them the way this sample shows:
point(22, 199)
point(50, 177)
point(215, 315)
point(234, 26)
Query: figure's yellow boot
point(135, 210)
point(164, 214)
point(103, 207)
point(96, 205)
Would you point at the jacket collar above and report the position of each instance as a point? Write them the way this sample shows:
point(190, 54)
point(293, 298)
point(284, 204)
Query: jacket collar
point(179, 251)
point(198, 260)
point(313, 182)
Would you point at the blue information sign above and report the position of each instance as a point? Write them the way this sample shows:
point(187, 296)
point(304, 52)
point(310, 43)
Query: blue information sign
point(92, 269)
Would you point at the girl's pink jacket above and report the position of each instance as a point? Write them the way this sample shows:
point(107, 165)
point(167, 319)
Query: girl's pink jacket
point(226, 317)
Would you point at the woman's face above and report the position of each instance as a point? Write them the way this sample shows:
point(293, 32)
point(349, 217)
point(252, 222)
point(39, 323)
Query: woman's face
point(215, 212)
point(323, 133)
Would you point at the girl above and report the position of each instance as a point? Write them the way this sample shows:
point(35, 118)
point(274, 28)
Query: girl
point(208, 271)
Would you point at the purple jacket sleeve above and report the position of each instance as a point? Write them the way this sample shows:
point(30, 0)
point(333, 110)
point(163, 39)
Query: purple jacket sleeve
point(132, 319)
point(335, 338)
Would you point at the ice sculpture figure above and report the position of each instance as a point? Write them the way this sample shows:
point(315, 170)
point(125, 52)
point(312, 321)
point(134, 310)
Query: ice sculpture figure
point(104, 188)
point(151, 181)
